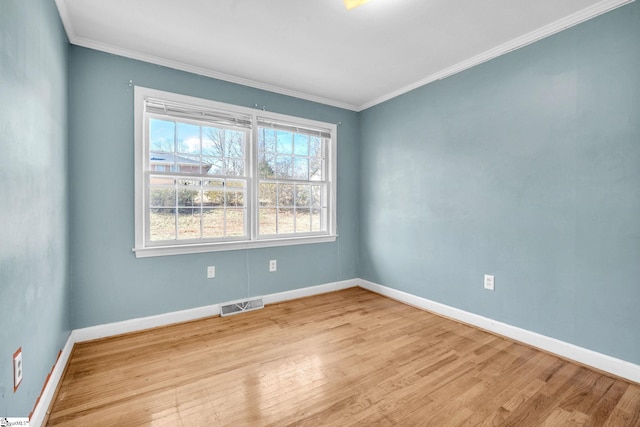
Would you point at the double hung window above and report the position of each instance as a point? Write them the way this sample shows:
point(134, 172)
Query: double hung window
point(212, 176)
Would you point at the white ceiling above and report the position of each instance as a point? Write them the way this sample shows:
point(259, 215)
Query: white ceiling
point(316, 49)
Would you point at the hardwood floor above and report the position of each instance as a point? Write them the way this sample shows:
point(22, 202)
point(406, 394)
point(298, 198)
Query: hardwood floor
point(345, 358)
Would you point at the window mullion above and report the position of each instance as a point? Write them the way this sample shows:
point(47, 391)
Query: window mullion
point(224, 208)
point(252, 207)
point(176, 212)
point(201, 190)
point(201, 208)
point(277, 208)
point(295, 208)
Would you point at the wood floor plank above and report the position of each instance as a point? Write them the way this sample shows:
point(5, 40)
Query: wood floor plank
point(345, 358)
point(626, 412)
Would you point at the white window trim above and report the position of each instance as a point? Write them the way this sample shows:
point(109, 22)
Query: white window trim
point(143, 250)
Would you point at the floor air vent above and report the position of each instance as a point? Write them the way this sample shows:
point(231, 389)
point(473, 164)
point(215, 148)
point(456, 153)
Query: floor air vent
point(241, 306)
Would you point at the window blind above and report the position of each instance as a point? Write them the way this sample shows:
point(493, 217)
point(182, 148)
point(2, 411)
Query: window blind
point(194, 112)
point(287, 127)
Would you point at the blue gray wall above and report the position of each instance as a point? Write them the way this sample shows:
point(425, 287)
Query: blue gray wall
point(34, 283)
point(526, 167)
point(109, 283)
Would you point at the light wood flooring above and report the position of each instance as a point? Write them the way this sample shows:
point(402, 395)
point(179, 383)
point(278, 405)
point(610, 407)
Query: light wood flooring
point(344, 358)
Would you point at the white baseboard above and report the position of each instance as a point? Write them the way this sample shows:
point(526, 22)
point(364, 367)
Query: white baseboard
point(142, 323)
point(566, 350)
point(582, 355)
point(139, 324)
point(134, 325)
point(309, 291)
point(40, 411)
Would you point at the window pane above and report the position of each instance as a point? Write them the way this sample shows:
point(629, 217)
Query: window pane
point(189, 182)
point(301, 145)
point(189, 223)
point(235, 198)
point(162, 224)
point(285, 221)
point(235, 194)
point(213, 183)
point(315, 146)
point(235, 167)
point(188, 138)
point(267, 221)
point(267, 140)
point(207, 164)
point(266, 166)
point(161, 135)
point(160, 161)
point(284, 142)
point(267, 195)
point(213, 193)
point(285, 195)
point(303, 220)
point(213, 223)
point(215, 198)
point(188, 198)
point(303, 196)
point(316, 220)
point(165, 181)
point(235, 184)
point(235, 222)
point(189, 164)
point(284, 167)
point(301, 168)
point(214, 166)
point(315, 169)
point(316, 196)
point(234, 143)
point(212, 142)
point(162, 197)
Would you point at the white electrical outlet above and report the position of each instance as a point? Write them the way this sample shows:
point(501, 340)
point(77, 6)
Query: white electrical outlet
point(211, 272)
point(273, 265)
point(17, 369)
point(489, 282)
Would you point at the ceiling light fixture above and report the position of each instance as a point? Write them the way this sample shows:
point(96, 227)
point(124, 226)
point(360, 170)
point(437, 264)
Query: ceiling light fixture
point(350, 4)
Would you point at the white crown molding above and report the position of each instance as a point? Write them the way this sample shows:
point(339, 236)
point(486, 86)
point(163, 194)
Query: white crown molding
point(532, 37)
point(79, 41)
point(603, 362)
point(91, 44)
point(553, 28)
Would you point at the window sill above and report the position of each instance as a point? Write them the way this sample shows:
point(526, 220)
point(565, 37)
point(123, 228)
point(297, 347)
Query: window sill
point(155, 251)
